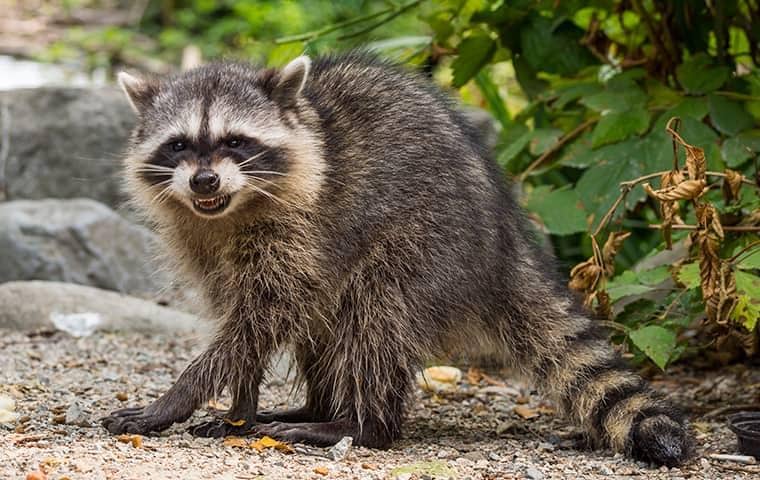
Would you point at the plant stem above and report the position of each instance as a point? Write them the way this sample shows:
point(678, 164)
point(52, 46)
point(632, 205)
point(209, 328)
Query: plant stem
point(739, 228)
point(398, 11)
point(557, 145)
point(743, 250)
point(394, 11)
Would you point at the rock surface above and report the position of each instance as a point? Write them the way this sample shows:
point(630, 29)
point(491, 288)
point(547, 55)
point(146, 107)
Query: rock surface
point(79, 241)
point(46, 305)
point(63, 143)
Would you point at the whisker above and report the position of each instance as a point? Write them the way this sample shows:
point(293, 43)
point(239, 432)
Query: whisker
point(265, 172)
point(268, 194)
point(265, 181)
point(250, 159)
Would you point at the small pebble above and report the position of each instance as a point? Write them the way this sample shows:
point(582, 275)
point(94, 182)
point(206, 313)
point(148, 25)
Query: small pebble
point(534, 474)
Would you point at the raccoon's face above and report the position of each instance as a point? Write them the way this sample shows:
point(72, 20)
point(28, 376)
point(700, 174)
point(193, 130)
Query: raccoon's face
point(215, 137)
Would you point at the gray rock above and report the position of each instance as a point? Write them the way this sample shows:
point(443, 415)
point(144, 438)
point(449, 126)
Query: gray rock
point(63, 143)
point(339, 451)
point(75, 416)
point(33, 305)
point(77, 241)
point(534, 474)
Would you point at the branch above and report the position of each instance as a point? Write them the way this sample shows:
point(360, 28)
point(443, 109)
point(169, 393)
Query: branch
point(748, 228)
point(557, 146)
point(392, 12)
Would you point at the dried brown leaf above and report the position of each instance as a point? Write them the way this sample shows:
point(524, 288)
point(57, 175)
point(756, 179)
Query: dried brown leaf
point(235, 423)
point(321, 470)
point(585, 276)
point(235, 442)
point(696, 164)
point(526, 412)
point(732, 184)
point(686, 190)
point(611, 248)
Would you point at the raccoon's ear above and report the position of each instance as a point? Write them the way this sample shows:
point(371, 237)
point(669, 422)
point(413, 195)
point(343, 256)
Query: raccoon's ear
point(291, 80)
point(139, 91)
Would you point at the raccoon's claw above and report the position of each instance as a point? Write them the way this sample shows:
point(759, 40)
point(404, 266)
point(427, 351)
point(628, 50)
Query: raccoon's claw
point(661, 440)
point(138, 420)
point(218, 428)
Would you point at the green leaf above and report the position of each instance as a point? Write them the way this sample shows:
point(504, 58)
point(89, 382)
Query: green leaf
point(615, 127)
point(688, 275)
point(748, 283)
point(728, 116)
point(496, 104)
point(574, 92)
point(527, 77)
point(609, 165)
point(543, 139)
point(746, 312)
point(737, 150)
point(699, 75)
point(656, 342)
point(554, 48)
point(616, 101)
point(515, 140)
point(617, 292)
point(690, 107)
point(474, 52)
point(559, 210)
point(750, 260)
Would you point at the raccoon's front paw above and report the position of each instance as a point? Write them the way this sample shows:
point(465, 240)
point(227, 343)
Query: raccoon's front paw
point(140, 420)
point(661, 440)
point(218, 428)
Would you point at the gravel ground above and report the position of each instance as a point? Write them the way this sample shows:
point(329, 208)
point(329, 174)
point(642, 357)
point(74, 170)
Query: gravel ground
point(62, 385)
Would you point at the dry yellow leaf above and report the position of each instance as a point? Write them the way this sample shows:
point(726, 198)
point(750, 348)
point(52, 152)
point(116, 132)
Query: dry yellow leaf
point(235, 442)
point(321, 470)
point(135, 440)
point(268, 442)
point(525, 412)
point(235, 423)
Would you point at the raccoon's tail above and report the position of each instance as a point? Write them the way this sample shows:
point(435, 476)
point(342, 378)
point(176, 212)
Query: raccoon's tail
point(575, 363)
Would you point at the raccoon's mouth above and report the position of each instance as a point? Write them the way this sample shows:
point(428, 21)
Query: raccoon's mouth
point(212, 205)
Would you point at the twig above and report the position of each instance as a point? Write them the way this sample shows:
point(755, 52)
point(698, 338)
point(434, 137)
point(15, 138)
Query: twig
point(400, 11)
point(615, 326)
point(730, 409)
point(557, 145)
point(392, 11)
point(694, 227)
point(745, 459)
point(743, 251)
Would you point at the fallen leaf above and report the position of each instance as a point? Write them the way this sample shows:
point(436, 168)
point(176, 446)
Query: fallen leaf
point(135, 440)
point(321, 470)
point(122, 396)
point(235, 423)
point(525, 412)
point(235, 442)
point(36, 475)
point(268, 442)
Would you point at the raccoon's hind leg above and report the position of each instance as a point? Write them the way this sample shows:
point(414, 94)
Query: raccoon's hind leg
point(240, 418)
point(574, 363)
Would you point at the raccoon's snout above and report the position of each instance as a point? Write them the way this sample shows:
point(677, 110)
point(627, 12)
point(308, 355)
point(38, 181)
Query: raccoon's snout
point(205, 182)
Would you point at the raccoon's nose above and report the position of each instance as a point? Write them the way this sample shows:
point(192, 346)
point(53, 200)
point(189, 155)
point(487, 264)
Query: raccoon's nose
point(204, 181)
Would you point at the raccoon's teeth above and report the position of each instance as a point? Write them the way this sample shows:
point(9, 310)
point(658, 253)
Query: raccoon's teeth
point(210, 204)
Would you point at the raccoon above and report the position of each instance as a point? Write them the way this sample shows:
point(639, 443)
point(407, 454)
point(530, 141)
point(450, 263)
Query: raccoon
point(345, 209)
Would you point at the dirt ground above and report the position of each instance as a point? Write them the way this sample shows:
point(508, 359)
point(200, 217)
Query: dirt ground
point(61, 386)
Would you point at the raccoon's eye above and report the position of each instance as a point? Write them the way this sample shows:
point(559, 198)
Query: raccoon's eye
point(178, 146)
point(234, 143)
